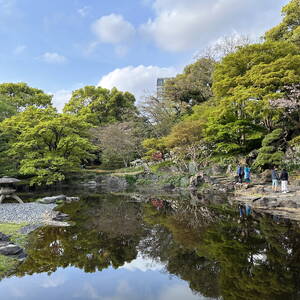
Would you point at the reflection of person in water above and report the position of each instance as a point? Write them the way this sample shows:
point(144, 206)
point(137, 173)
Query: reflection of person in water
point(245, 210)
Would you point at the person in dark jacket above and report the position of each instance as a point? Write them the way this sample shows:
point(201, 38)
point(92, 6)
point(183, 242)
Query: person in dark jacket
point(284, 177)
point(275, 179)
point(240, 173)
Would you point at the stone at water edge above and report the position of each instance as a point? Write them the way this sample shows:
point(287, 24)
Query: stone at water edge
point(53, 199)
point(4, 237)
point(61, 217)
point(10, 249)
point(72, 199)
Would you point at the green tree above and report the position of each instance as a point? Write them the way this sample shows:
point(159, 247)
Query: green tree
point(272, 151)
point(193, 85)
point(18, 96)
point(245, 82)
point(101, 106)
point(46, 145)
point(289, 28)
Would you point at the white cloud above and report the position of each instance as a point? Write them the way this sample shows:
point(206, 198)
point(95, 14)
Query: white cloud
point(140, 80)
point(113, 29)
point(181, 25)
point(53, 58)
point(84, 11)
point(20, 49)
point(60, 98)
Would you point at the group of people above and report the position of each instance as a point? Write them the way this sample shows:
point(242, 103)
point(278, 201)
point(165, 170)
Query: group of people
point(283, 177)
point(243, 175)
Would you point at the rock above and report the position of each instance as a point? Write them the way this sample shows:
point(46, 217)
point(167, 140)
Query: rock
point(199, 179)
point(258, 189)
point(266, 176)
point(91, 183)
point(114, 183)
point(72, 199)
point(4, 237)
point(49, 200)
point(29, 228)
point(10, 249)
point(265, 202)
point(61, 217)
point(253, 189)
point(217, 170)
point(169, 187)
point(288, 204)
point(296, 182)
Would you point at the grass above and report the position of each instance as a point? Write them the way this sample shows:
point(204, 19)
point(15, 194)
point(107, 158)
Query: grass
point(118, 172)
point(13, 231)
point(7, 264)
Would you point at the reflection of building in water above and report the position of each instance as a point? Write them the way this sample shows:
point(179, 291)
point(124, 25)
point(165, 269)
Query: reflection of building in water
point(160, 87)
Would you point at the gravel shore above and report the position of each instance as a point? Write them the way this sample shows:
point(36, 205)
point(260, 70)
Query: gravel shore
point(29, 213)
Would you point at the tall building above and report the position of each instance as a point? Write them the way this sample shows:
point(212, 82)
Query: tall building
point(160, 87)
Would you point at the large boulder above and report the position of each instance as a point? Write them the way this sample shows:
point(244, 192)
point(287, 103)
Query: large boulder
point(266, 176)
point(266, 202)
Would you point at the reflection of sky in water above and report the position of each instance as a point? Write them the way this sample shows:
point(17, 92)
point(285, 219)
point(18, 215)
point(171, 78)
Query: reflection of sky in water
point(140, 279)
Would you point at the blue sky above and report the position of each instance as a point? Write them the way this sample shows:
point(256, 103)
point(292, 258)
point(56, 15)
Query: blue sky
point(62, 45)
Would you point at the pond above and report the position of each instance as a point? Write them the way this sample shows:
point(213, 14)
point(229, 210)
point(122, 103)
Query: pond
point(118, 248)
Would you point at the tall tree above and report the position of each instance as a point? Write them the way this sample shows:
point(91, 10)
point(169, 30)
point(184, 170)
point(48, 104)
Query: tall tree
point(101, 106)
point(46, 145)
point(193, 86)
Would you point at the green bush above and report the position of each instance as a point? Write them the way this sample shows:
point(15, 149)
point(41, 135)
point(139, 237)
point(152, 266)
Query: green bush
point(159, 167)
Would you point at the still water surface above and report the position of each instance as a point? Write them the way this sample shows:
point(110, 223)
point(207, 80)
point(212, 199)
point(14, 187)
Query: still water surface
point(120, 249)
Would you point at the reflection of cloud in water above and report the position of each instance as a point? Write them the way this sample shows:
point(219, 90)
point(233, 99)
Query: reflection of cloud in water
point(54, 281)
point(143, 264)
point(17, 292)
point(123, 291)
point(179, 292)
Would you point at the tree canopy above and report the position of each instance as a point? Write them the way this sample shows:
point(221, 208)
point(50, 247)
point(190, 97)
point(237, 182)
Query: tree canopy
point(46, 145)
point(101, 106)
point(289, 28)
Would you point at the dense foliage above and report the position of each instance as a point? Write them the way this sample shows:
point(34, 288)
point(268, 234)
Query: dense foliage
point(243, 103)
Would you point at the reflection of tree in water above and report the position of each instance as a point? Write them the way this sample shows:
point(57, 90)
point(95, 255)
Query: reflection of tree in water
point(106, 234)
point(172, 240)
point(217, 255)
point(254, 259)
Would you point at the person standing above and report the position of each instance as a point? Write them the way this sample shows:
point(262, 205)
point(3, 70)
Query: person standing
point(240, 173)
point(247, 172)
point(275, 178)
point(284, 177)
